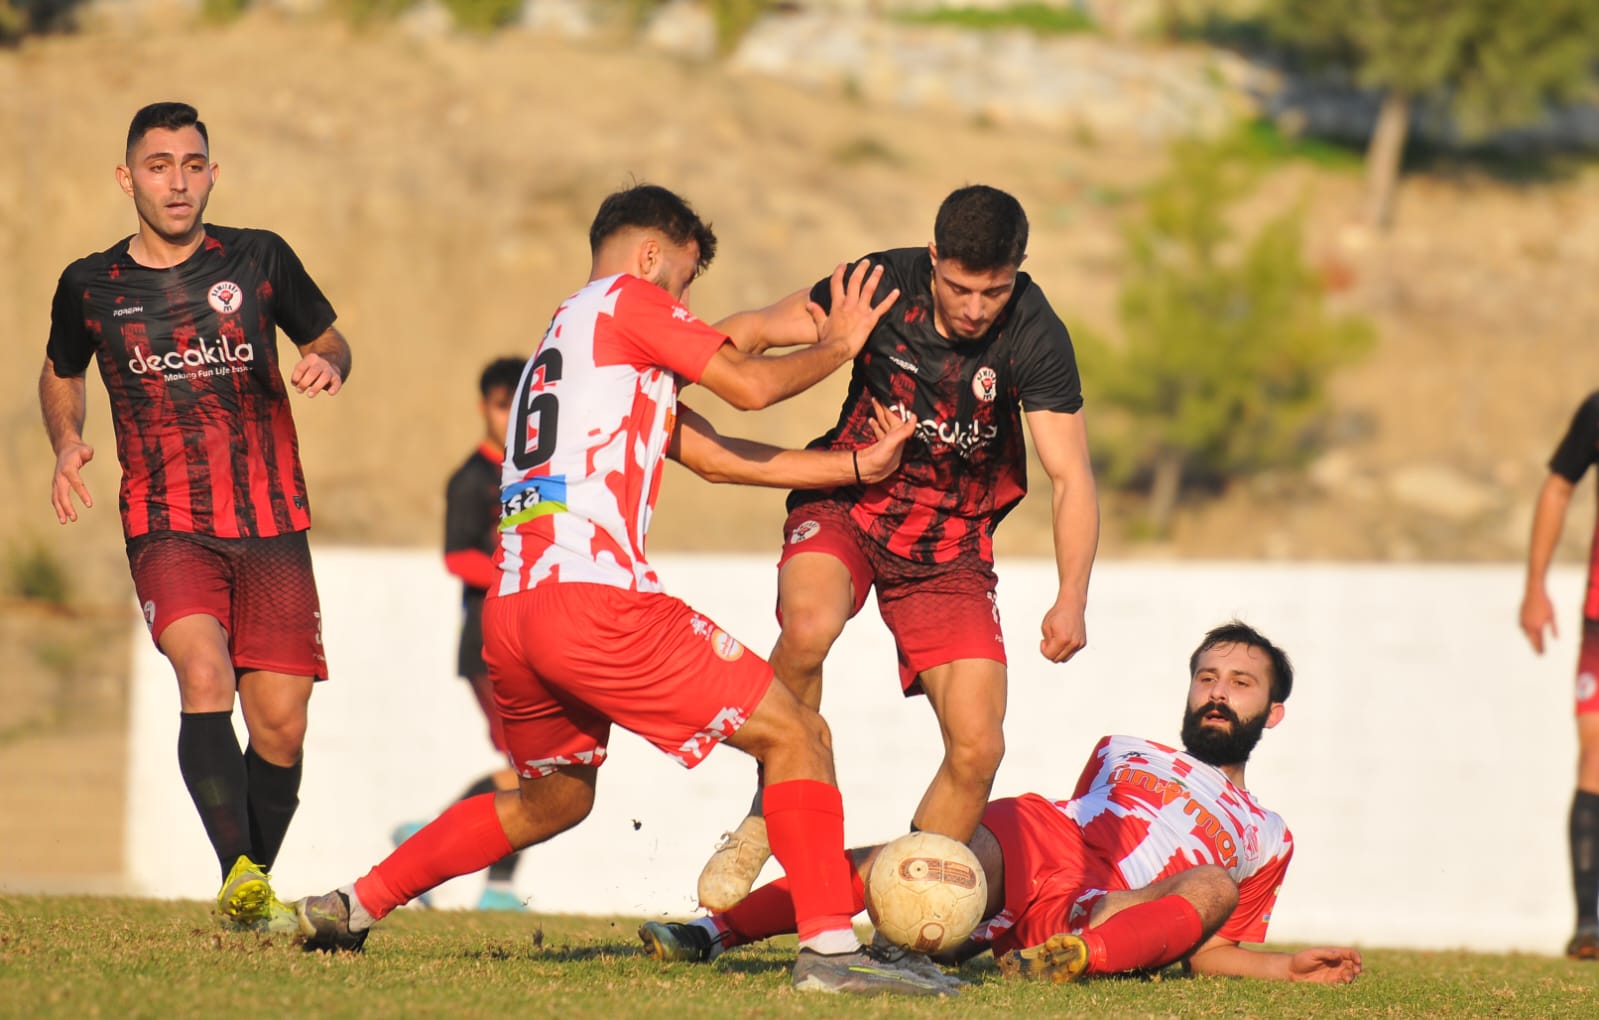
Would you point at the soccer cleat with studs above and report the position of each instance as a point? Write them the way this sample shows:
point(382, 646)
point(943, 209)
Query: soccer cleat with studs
point(917, 963)
point(735, 865)
point(1583, 946)
point(1061, 958)
point(675, 942)
point(866, 971)
point(325, 922)
point(246, 894)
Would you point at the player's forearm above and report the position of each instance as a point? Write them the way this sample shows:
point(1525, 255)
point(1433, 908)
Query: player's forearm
point(768, 381)
point(745, 462)
point(1236, 961)
point(62, 402)
point(785, 323)
point(1548, 519)
point(334, 349)
point(1075, 514)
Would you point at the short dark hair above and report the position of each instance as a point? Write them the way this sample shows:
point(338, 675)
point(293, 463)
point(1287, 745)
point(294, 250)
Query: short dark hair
point(982, 228)
point(500, 374)
point(170, 116)
point(654, 208)
point(1236, 632)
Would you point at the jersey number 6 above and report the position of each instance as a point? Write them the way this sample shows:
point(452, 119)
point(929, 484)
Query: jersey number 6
point(537, 414)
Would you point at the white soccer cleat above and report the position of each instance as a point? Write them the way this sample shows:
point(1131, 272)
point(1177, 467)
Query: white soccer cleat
point(731, 872)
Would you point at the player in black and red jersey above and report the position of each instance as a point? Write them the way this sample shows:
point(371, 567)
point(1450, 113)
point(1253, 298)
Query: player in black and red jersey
point(970, 348)
point(1578, 451)
point(183, 319)
point(471, 534)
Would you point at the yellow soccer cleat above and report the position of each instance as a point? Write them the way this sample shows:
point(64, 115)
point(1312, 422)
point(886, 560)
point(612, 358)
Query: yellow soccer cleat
point(1060, 959)
point(246, 896)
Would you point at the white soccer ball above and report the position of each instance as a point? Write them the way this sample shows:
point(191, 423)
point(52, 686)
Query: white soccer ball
point(926, 892)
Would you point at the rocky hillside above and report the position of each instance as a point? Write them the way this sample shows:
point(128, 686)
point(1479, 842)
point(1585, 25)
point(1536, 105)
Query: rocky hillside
point(439, 188)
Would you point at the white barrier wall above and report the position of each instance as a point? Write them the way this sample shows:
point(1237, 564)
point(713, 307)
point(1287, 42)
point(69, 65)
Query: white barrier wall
point(1425, 763)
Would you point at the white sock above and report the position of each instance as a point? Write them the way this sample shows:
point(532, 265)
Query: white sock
point(360, 918)
point(832, 943)
point(715, 930)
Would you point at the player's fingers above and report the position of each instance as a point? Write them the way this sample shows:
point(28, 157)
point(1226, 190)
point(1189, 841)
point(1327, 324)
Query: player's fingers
point(860, 275)
point(887, 302)
point(62, 508)
point(817, 315)
point(836, 284)
point(335, 383)
point(81, 489)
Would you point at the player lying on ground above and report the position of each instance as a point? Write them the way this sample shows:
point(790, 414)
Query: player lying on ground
point(1160, 855)
point(577, 631)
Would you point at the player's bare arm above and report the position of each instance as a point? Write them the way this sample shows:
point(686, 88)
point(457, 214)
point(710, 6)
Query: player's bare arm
point(717, 458)
point(62, 401)
point(750, 382)
point(324, 364)
point(1537, 611)
point(786, 323)
point(1327, 965)
point(1062, 444)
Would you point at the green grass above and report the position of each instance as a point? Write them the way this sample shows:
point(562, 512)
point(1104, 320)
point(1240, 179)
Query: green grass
point(1040, 19)
point(80, 956)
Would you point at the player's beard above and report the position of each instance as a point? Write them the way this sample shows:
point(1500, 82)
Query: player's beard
point(1216, 746)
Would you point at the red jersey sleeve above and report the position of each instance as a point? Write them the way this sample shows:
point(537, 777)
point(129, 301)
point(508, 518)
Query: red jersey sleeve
point(663, 333)
point(1257, 895)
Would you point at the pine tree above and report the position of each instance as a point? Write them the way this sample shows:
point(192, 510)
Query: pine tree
point(1492, 63)
point(1225, 345)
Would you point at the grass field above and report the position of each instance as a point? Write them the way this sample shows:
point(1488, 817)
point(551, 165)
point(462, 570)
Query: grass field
point(80, 956)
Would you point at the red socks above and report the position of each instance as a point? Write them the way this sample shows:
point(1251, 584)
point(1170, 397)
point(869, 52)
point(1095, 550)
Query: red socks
point(805, 826)
point(1144, 937)
point(769, 910)
point(467, 837)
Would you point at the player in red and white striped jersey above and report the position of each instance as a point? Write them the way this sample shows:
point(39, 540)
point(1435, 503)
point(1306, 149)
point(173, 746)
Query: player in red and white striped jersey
point(578, 633)
point(1159, 855)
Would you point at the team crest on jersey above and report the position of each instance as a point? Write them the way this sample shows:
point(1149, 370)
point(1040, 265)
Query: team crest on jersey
point(986, 384)
point(1251, 836)
point(725, 645)
point(225, 297)
point(804, 530)
point(1587, 684)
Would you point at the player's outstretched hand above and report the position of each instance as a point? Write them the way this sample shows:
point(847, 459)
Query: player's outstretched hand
point(881, 459)
point(853, 314)
point(315, 374)
point(1065, 633)
point(69, 479)
point(1325, 965)
point(1538, 615)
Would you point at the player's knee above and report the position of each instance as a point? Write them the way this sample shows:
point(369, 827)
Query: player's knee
point(808, 633)
point(205, 685)
point(976, 756)
point(1588, 767)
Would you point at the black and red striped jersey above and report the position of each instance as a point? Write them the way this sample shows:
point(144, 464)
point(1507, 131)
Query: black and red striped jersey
point(966, 467)
point(189, 357)
point(1577, 452)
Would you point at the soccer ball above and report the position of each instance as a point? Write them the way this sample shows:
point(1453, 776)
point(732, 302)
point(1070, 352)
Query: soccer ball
point(926, 892)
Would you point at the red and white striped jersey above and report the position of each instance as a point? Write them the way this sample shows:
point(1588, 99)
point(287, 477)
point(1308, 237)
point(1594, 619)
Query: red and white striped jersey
point(593, 418)
point(1152, 811)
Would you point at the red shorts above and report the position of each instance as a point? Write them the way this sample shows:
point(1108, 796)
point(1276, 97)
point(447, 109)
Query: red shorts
point(569, 659)
point(937, 612)
point(1588, 669)
point(1052, 884)
point(260, 589)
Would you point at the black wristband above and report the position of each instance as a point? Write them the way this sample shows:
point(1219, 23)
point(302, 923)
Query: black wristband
point(855, 458)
